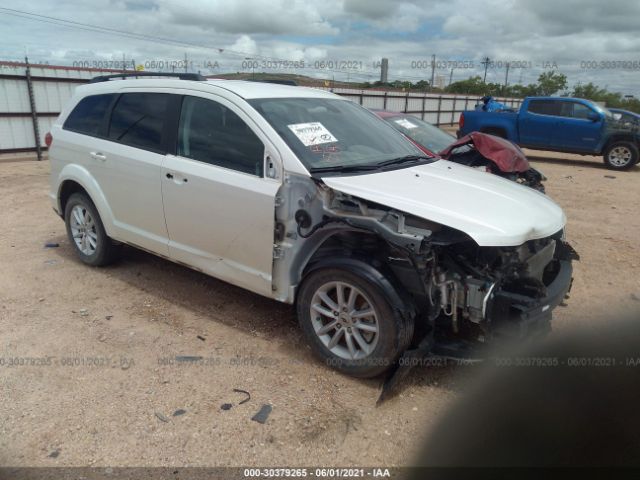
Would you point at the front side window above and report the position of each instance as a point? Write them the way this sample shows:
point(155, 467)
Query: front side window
point(327, 133)
point(210, 132)
point(575, 110)
point(138, 120)
point(88, 115)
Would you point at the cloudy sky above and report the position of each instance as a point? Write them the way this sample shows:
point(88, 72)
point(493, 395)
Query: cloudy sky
point(588, 40)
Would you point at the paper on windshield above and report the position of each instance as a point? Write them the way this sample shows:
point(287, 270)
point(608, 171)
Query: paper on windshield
point(403, 122)
point(313, 133)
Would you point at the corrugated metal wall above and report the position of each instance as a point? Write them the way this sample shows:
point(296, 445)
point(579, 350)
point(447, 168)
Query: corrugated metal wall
point(52, 88)
point(54, 85)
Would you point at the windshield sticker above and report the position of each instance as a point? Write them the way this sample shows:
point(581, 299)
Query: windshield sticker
point(403, 122)
point(313, 133)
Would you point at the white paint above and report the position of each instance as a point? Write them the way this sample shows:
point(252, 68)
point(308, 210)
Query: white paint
point(491, 210)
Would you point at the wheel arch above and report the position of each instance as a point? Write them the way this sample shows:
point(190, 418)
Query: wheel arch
point(619, 137)
point(332, 252)
point(76, 179)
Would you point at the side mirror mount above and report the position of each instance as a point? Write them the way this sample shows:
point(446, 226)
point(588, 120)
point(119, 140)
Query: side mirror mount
point(594, 116)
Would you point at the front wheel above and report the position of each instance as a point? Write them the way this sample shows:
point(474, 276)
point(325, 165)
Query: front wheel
point(350, 324)
point(621, 155)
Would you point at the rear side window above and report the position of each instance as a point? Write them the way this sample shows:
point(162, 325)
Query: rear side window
point(544, 107)
point(210, 132)
point(138, 120)
point(89, 114)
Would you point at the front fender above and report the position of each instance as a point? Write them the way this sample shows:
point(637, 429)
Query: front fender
point(82, 176)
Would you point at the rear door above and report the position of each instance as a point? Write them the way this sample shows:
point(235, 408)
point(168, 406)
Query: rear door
point(128, 164)
point(219, 206)
point(537, 126)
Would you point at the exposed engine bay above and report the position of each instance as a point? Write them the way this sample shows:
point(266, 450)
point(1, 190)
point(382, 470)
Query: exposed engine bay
point(457, 290)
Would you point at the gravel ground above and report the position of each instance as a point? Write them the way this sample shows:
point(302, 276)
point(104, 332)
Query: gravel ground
point(101, 385)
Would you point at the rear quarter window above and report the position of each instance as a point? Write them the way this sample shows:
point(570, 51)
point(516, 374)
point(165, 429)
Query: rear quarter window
point(88, 115)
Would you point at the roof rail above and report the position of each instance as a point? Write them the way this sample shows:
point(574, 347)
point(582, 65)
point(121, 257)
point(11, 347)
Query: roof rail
point(181, 76)
point(292, 83)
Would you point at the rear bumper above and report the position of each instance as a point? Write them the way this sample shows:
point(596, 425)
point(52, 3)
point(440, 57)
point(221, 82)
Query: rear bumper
point(513, 315)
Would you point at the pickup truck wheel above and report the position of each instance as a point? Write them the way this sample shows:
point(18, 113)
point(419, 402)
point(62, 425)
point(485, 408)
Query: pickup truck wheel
point(349, 323)
point(621, 155)
point(86, 232)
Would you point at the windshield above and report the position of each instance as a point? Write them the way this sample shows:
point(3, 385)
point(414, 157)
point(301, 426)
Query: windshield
point(332, 133)
point(427, 135)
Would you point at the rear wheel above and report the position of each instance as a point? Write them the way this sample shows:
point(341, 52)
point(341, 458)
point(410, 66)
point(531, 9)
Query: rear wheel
point(86, 232)
point(349, 323)
point(621, 155)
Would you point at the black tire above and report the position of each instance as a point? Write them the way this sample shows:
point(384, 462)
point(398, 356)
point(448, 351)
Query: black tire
point(621, 146)
point(105, 250)
point(395, 328)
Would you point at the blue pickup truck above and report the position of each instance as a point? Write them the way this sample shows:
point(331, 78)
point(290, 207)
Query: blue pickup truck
point(559, 124)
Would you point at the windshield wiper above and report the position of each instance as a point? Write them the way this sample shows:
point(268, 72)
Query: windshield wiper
point(405, 159)
point(344, 168)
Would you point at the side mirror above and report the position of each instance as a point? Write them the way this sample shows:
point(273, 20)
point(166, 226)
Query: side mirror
point(594, 117)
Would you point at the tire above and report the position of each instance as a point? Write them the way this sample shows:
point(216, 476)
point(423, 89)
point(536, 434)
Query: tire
point(91, 243)
point(621, 155)
point(394, 330)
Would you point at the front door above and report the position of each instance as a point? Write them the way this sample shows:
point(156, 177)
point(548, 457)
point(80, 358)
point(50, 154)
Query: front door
point(218, 205)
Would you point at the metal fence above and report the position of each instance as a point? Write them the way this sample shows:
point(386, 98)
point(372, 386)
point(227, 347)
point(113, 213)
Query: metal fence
point(32, 96)
point(438, 109)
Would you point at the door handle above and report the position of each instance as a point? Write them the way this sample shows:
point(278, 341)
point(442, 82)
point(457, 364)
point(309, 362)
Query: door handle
point(98, 156)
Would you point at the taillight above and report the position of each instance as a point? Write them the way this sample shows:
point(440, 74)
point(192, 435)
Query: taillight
point(461, 121)
point(48, 139)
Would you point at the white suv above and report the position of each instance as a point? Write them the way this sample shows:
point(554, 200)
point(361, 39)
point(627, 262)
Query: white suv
point(307, 198)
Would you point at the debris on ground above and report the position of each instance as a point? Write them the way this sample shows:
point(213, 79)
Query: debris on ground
point(635, 296)
point(50, 262)
point(161, 417)
point(609, 176)
point(108, 317)
point(179, 412)
point(200, 337)
point(54, 454)
point(263, 414)
point(226, 406)
point(188, 358)
point(51, 245)
point(237, 390)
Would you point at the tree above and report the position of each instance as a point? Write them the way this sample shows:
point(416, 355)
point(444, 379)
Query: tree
point(551, 82)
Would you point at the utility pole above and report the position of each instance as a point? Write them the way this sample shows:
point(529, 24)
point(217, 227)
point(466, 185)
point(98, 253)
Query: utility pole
point(32, 105)
point(506, 76)
point(433, 71)
point(486, 63)
point(451, 76)
point(185, 62)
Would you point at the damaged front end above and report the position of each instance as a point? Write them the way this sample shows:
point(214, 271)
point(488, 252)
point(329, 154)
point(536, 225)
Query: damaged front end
point(461, 296)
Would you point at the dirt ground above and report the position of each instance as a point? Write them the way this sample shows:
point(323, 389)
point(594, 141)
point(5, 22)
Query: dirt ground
point(100, 385)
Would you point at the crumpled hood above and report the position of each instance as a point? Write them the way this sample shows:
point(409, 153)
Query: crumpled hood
point(491, 210)
point(506, 155)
